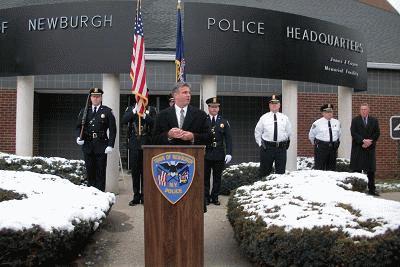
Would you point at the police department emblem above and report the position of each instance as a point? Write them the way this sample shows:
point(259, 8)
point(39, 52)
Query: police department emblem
point(173, 174)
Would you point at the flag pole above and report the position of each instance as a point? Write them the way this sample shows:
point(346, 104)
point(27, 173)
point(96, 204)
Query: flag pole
point(138, 4)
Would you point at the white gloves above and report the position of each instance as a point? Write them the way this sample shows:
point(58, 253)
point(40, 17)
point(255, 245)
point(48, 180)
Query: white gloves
point(79, 141)
point(134, 109)
point(228, 159)
point(108, 150)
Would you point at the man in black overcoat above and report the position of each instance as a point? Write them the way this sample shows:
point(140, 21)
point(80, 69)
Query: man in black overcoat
point(365, 133)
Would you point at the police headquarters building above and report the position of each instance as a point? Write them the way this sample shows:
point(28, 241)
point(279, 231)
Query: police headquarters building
point(309, 52)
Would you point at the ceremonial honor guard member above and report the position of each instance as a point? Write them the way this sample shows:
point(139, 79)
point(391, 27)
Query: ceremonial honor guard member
point(218, 153)
point(139, 133)
point(272, 134)
point(324, 135)
point(93, 122)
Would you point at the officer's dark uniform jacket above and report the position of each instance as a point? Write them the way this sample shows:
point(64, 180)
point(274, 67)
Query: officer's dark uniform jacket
point(95, 130)
point(136, 141)
point(221, 141)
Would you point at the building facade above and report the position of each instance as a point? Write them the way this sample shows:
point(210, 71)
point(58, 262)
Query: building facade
point(58, 98)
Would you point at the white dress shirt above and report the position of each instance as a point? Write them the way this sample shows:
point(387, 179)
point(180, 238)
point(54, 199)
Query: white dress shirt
point(320, 130)
point(178, 113)
point(265, 128)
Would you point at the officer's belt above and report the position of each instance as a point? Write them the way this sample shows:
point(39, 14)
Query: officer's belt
point(330, 144)
point(93, 136)
point(216, 144)
point(281, 144)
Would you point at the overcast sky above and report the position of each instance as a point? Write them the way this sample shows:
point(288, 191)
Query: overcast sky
point(395, 4)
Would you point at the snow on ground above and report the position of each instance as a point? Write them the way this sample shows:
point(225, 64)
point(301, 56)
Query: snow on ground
point(52, 202)
point(304, 199)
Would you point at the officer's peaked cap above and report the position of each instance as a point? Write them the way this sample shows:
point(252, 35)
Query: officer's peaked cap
point(274, 99)
point(213, 101)
point(326, 108)
point(96, 91)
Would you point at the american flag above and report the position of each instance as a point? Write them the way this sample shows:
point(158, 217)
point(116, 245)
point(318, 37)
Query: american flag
point(138, 69)
point(179, 57)
point(162, 177)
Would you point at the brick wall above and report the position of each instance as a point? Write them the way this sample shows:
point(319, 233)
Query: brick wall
point(382, 107)
point(7, 122)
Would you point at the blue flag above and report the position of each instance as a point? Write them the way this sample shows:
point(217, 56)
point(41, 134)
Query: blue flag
point(179, 57)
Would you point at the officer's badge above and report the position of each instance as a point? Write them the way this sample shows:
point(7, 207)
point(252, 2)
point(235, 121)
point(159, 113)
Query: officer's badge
point(173, 174)
point(221, 125)
point(103, 116)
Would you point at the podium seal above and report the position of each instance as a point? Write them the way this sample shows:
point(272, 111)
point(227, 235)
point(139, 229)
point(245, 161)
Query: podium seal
point(173, 174)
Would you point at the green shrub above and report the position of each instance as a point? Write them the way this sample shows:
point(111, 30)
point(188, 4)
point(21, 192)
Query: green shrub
point(36, 247)
point(239, 175)
point(72, 170)
point(270, 245)
point(10, 195)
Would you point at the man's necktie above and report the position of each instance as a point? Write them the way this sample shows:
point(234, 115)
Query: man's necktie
point(330, 132)
point(182, 118)
point(275, 128)
point(213, 122)
point(365, 121)
point(94, 110)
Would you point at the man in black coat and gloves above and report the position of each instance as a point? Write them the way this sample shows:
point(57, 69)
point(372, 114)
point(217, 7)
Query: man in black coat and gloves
point(365, 133)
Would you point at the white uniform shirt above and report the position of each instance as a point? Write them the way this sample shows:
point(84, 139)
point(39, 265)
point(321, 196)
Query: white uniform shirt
point(320, 130)
point(265, 128)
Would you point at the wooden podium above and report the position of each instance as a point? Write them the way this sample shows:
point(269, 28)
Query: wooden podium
point(173, 233)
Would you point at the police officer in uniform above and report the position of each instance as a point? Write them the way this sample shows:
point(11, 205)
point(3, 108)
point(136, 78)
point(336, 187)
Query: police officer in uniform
point(136, 140)
point(272, 134)
point(92, 136)
point(218, 153)
point(324, 135)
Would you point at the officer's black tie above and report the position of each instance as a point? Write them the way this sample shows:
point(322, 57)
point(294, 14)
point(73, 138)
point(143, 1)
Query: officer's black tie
point(275, 128)
point(213, 122)
point(365, 121)
point(330, 132)
point(94, 110)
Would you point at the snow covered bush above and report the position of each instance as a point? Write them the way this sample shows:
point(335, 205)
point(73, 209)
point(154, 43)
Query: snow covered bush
point(238, 175)
point(49, 218)
point(72, 170)
point(314, 218)
point(247, 173)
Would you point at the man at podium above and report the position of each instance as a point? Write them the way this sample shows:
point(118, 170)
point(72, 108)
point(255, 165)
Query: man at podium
point(181, 123)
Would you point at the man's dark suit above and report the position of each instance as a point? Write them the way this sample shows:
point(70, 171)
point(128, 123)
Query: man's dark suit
point(363, 159)
point(195, 122)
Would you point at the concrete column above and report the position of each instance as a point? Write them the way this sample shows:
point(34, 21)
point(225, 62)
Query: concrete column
point(208, 88)
point(289, 108)
point(24, 123)
point(111, 98)
point(345, 115)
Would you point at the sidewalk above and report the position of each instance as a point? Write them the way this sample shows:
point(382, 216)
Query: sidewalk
point(120, 241)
